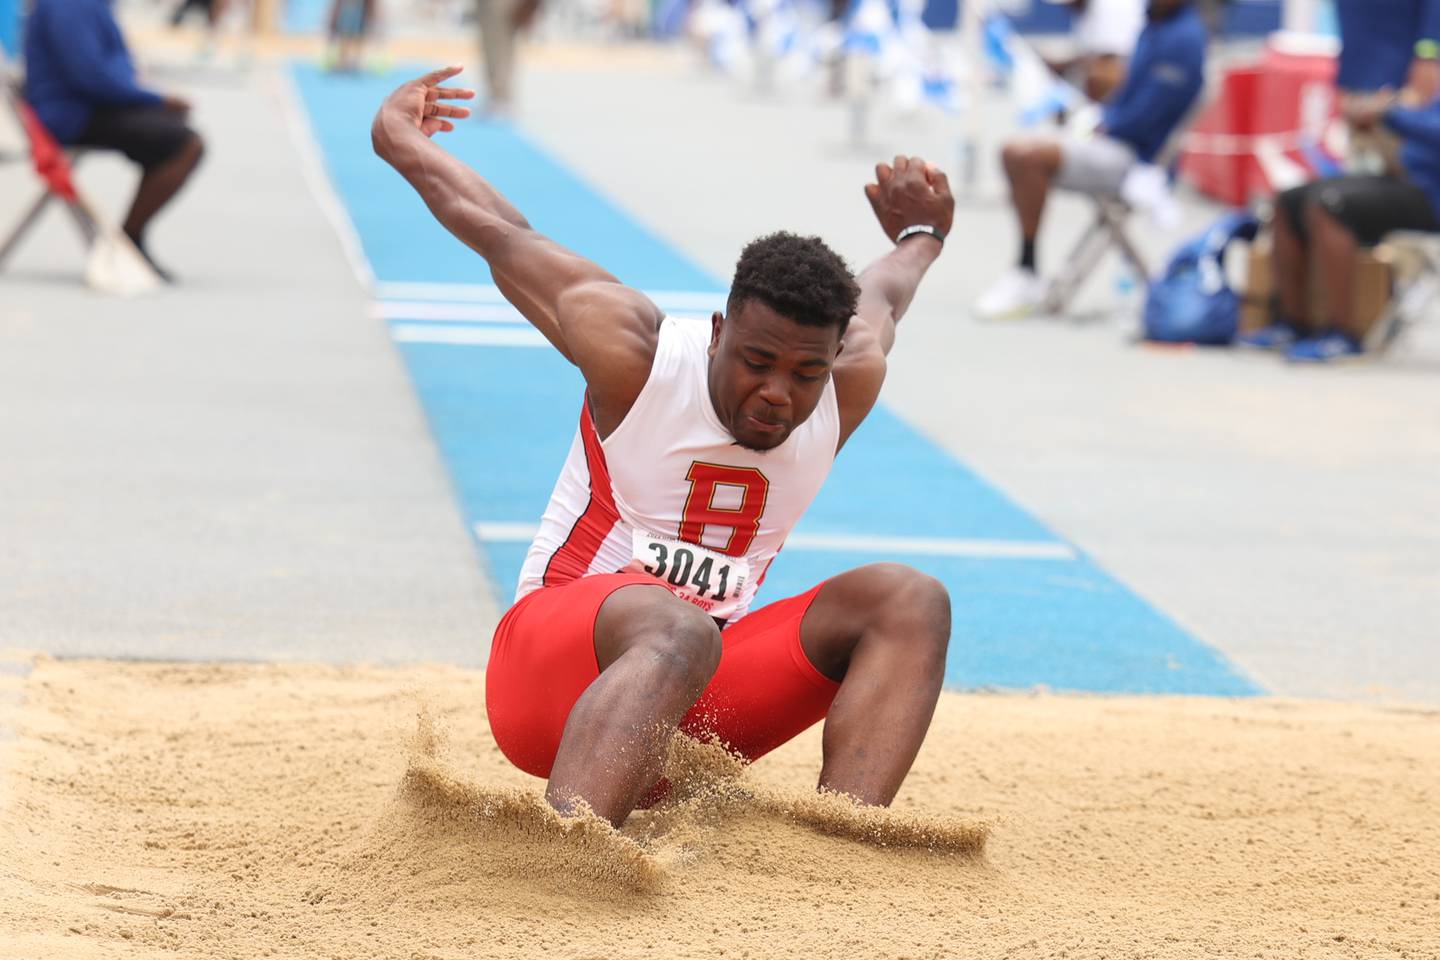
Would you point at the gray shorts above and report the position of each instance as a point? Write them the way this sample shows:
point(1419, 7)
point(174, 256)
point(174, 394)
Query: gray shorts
point(1095, 165)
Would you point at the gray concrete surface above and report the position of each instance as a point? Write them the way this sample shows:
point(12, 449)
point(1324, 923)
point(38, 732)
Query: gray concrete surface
point(1291, 517)
point(236, 468)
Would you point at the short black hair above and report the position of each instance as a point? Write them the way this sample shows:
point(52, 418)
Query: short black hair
point(798, 277)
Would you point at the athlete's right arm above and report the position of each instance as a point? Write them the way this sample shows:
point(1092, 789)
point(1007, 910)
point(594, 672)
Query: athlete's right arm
point(605, 328)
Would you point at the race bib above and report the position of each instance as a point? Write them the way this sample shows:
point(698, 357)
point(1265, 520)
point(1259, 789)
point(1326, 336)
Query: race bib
point(710, 580)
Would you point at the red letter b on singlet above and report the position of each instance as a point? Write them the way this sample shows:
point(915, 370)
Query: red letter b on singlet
point(701, 509)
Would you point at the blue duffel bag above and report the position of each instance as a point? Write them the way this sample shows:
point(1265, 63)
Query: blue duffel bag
point(1192, 302)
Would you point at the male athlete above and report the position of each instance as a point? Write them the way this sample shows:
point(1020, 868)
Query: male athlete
point(700, 445)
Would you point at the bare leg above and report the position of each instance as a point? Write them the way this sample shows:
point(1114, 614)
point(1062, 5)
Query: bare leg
point(498, 37)
point(178, 16)
point(656, 654)
point(1030, 168)
point(1292, 271)
point(159, 186)
point(836, 88)
point(882, 631)
point(1336, 254)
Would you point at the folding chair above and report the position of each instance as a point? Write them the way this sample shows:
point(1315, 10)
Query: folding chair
point(1107, 230)
point(112, 264)
point(53, 165)
point(1415, 260)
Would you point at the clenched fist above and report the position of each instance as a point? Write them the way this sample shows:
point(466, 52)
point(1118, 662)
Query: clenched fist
point(908, 193)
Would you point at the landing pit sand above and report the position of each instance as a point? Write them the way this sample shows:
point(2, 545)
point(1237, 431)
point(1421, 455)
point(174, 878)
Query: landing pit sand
point(243, 811)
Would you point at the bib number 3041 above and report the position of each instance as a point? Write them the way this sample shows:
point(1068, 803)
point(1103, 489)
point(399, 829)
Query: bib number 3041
point(710, 580)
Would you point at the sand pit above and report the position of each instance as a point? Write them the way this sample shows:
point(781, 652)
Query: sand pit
point(158, 810)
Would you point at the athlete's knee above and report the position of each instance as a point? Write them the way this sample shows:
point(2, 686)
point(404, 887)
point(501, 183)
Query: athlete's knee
point(899, 601)
point(689, 641)
point(881, 605)
point(918, 602)
point(676, 639)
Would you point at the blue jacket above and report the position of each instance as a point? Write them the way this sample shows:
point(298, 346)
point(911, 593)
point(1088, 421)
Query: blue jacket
point(1167, 73)
point(1419, 129)
point(1379, 38)
point(75, 61)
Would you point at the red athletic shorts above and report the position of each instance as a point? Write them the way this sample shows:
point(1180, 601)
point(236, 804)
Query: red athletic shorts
point(543, 657)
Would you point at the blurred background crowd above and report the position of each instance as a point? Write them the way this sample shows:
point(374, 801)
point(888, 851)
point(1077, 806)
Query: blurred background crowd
point(1310, 127)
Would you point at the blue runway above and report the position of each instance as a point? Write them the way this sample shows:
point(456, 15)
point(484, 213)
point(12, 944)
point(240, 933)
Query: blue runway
point(1030, 609)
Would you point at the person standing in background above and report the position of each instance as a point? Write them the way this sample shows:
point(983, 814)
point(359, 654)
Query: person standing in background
point(80, 80)
point(351, 23)
point(1390, 55)
point(212, 10)
point(1386, 45)
point(500, 24)
point(1390, 44)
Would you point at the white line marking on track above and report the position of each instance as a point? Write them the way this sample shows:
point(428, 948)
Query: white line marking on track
point(507, 532)
point(443, 312)
point(934, 546)
point(680, 301)
point(824, 543)
point(467, 336)
point(317, 177)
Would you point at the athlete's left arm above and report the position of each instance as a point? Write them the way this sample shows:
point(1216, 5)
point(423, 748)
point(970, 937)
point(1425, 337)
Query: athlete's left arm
point(906, 193)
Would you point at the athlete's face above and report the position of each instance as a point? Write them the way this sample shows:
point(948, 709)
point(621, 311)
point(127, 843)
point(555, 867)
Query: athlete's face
point(767, 372)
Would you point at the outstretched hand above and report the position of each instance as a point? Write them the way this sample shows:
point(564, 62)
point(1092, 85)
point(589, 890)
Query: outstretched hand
point(420, 105)
point(910, 192)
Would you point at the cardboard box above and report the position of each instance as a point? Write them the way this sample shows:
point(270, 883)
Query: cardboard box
point(1374, 284)
point(1259, 285)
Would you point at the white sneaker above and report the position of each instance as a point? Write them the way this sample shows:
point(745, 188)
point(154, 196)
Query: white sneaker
point(1018, 293)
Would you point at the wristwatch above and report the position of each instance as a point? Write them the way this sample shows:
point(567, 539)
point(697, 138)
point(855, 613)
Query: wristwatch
point(920, 228)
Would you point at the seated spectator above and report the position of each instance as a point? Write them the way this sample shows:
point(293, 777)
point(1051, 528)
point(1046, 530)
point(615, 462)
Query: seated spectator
point(1105, 33)
point(81, 82)
point(1165, 79)
point(1333, 218)
point(1385, 45)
